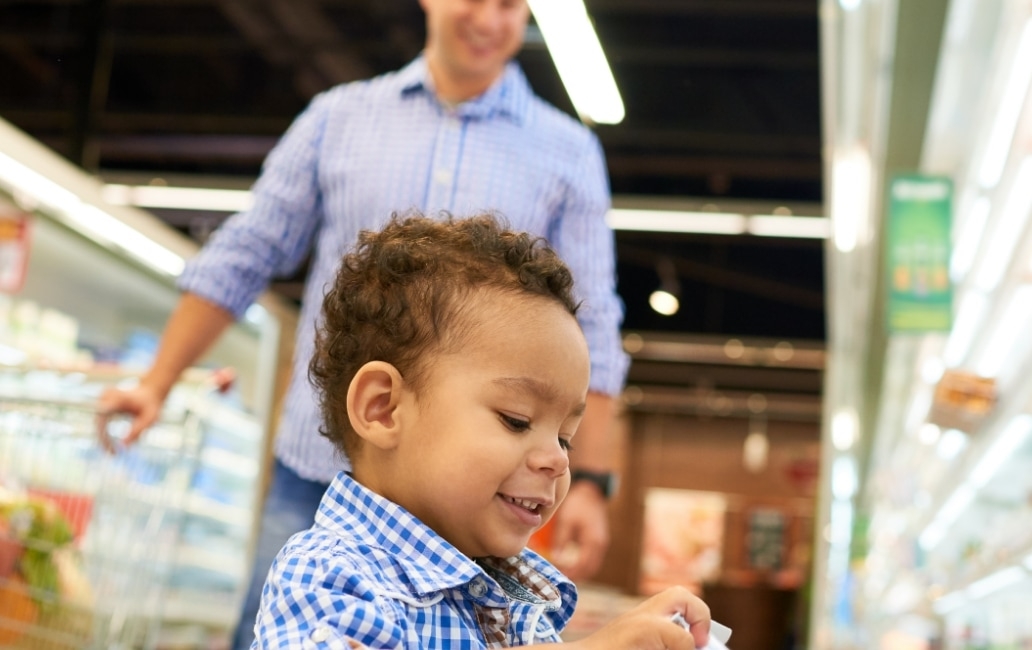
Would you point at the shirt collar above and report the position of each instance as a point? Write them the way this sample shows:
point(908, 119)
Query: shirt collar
point(509, 96)
point(429, 562)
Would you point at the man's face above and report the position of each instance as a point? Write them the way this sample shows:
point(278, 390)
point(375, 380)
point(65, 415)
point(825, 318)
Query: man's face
point(470, 41)
point(483, 452)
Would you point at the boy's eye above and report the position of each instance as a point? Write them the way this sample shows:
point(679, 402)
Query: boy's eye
point(565, 444)
point(516, 424)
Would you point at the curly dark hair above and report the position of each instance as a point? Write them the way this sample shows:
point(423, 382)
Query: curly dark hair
point(400, 293)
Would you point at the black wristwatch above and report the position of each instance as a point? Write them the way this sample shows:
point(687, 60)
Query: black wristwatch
point(605, 481)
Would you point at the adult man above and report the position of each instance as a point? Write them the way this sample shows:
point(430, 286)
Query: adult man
point(457, 130)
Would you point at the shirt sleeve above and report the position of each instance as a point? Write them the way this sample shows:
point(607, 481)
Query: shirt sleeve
point(586, 243)
point(274, 236)
point(320, 603)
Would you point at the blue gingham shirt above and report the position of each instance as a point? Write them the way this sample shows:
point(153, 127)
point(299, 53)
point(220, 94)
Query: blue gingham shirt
point(370, 571)
point(364, 150)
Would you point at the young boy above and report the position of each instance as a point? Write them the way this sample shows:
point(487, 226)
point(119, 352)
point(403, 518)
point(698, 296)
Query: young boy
point(452, 372)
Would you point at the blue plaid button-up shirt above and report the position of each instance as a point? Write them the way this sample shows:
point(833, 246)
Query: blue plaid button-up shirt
point(362, 151)
point(370, 571)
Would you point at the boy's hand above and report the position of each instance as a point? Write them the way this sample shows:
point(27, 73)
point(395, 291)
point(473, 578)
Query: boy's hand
point(649, 626)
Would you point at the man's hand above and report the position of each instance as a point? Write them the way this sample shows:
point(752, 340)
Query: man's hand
point(580, 535)
point(194, 325)
point(142, 403)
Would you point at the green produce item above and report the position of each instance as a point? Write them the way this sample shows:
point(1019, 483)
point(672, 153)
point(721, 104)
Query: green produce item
point(41, 528)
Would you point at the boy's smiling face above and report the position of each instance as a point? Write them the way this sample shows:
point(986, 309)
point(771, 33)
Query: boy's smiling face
point(481, 456)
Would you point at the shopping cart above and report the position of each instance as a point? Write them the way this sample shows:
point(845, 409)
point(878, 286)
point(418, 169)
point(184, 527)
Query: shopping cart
point(87, 538)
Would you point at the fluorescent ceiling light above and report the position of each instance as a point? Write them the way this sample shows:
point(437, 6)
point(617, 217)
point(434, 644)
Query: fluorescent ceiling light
point(929, 433)
point(778, 226)
point(39, 189)
point(850, 192)
point(845, 428)
point(1009, 441)
point(1009, 329)
point(183, 198)
point(1007, 230)
point(87, 219)
point(966, 244)
point(1009, 110)
point(952, 442)
point(718, 223)
point(995, 582)
point(950, 511)
point(840, 529)
point(949, 602)
point(931, 536)
point(920, 404)
point(844, 480)
point(932, 370)
point(715, 223)
point(956, 504)
point(578, 57)
point(966, 324)
point(104, 228)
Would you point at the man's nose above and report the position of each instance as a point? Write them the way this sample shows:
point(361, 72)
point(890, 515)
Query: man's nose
point(487, 16)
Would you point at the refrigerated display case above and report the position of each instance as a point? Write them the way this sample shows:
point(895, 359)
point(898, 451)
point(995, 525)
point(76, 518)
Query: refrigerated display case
point(87, 289)
point(927, 512)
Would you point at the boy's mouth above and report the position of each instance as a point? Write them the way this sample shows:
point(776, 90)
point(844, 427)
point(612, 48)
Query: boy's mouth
point(526, 504)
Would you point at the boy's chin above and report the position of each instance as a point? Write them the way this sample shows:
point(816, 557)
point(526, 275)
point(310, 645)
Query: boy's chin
point(510, 548)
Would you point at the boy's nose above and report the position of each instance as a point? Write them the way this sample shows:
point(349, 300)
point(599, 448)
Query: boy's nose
point(551, 458)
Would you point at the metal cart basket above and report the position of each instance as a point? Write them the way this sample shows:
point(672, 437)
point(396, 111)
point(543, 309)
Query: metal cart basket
point(87, 537)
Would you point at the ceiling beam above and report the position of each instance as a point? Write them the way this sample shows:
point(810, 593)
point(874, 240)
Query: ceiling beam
point(669, 138)
point(129, 122)
point(708, 57)
point(263, 35)
point(19, 51)
point(689, 165)
point(764, 8)
point(305, 22)
point(725, 278)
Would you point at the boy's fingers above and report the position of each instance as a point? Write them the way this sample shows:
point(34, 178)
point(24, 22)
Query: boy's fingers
point(678, 638)
point(694, 612)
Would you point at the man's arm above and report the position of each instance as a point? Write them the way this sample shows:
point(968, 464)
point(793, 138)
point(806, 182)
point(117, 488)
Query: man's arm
point(580, 535)
point(194, 326)
point(234, 267)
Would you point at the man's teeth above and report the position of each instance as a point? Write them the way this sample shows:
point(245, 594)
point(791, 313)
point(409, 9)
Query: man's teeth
point(523, 503)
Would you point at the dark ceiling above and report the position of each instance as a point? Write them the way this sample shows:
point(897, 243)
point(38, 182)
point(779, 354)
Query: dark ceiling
point(722, 100)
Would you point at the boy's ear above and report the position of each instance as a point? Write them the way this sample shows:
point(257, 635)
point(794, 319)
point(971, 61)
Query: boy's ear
point(373, 398)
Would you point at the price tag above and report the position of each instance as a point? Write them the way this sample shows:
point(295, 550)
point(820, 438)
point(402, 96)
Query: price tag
point(14, 250)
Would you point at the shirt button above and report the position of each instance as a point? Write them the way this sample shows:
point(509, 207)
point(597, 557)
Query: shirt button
point(320, 634)
point(443, 176)
point(477, 588)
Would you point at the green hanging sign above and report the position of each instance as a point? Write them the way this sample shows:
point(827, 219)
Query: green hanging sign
point(920, 295)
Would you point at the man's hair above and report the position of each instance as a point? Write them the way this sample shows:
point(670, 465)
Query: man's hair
point(401, 293)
